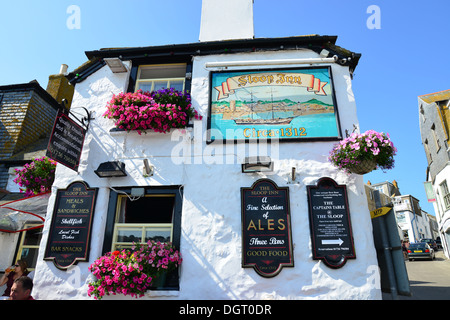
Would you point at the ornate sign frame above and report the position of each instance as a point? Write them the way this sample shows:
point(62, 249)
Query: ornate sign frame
point(330, 223)
point(70, 232)
point(293, 104)
point(266, 228)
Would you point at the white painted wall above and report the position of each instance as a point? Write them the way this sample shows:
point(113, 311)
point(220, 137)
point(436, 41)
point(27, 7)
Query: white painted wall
point(442, 215)
point(211, 217)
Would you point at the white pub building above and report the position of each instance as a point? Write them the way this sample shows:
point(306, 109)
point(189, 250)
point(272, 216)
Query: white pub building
point(244, 191)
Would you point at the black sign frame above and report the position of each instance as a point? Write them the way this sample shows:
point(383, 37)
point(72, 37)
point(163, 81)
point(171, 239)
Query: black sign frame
point(330, 223)
point(66, 141)
point(70, 232)
point(266, 228)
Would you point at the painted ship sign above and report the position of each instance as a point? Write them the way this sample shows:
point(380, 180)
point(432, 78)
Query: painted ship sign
point(266, 228)
point(329, 218)
point(283, 104)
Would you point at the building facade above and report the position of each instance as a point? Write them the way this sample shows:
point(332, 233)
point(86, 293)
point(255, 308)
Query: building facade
point(197, 174)
point(434, 117)
point(413, 223)
point(412, 220)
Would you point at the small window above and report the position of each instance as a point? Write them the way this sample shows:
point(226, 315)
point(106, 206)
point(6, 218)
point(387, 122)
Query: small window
point(29, 246)
point(436, 140)
point(445, 194)
point(147, 218)
point(164, 76)
point(427, 151)
point(154, 216)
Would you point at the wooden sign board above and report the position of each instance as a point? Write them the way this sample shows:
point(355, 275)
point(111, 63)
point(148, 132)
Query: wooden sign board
point(266, 228)
point(66, 142)
point(70, 231)
point(329, 218)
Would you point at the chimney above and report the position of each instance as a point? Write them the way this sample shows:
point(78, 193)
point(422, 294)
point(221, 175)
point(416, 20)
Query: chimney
point(59, 88)
point(63, 69)
point(226, 20)
point(395, 183)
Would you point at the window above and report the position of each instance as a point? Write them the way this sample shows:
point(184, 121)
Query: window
point(445, 194)
point(29, 246)
point(154, 216)
point(427, 151)
point(147, 218)
point(436, 140)
point(156, 77)
point(422, 113)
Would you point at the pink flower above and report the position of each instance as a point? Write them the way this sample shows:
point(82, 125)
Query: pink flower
point(375, 151)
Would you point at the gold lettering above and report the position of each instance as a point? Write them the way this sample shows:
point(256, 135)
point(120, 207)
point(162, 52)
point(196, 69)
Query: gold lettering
point(242, 81)
point(251, 225)
point(247, 135)
point(281, 223)
point(281, 79)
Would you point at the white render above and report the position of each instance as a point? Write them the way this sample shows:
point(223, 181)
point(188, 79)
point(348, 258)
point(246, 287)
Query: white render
point(211, 216)
point(442, 214)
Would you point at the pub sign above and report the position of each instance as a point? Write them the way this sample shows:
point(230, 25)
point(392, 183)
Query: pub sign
point(66, 141)
point(266, 228)
point(70, 231)
point(285, 104)
point(329, 218)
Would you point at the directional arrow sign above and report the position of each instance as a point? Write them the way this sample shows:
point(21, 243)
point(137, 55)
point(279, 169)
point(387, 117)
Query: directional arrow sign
point(379, 212)
point(333, 241)
point(329, 220)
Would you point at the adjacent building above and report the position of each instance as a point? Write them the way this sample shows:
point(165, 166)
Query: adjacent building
point(434, 120)
point(413, 223)
point(27, 115)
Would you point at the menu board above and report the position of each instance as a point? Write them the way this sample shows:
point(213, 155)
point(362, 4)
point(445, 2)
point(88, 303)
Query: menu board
point(266, 228)
point(66, 141)
point(329, 217)
point(70, 231)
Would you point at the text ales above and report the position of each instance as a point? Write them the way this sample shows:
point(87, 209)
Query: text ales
point(329, 217)
point(266, 228)
point(71, 225)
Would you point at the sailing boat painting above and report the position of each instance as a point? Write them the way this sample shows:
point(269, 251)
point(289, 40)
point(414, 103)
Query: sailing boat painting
point(283, 103)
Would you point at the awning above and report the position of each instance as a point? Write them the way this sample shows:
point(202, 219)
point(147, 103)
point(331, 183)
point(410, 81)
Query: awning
point(14, 215)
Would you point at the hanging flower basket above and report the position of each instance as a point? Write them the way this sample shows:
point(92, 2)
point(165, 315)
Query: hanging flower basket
point(363, 153)
point(132, 272)
point(363, 167)
point(36, 177)
point(157, 111)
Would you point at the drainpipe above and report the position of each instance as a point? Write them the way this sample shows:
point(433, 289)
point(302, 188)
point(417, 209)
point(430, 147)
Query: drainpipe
point(412, 226)
point(388, 256)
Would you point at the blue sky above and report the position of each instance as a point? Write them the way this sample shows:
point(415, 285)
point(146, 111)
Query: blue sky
point(405, 58)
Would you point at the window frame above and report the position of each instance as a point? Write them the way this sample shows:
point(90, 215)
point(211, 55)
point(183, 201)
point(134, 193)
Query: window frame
point(22, 246)
point(445, 194)
point(168, 79)
point(136, 226)
point(154, 61)
point(176, 191)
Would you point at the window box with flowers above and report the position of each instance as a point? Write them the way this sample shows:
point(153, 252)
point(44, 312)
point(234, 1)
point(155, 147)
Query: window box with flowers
point(132, 272)
point(363, 153)
point(158, 111)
